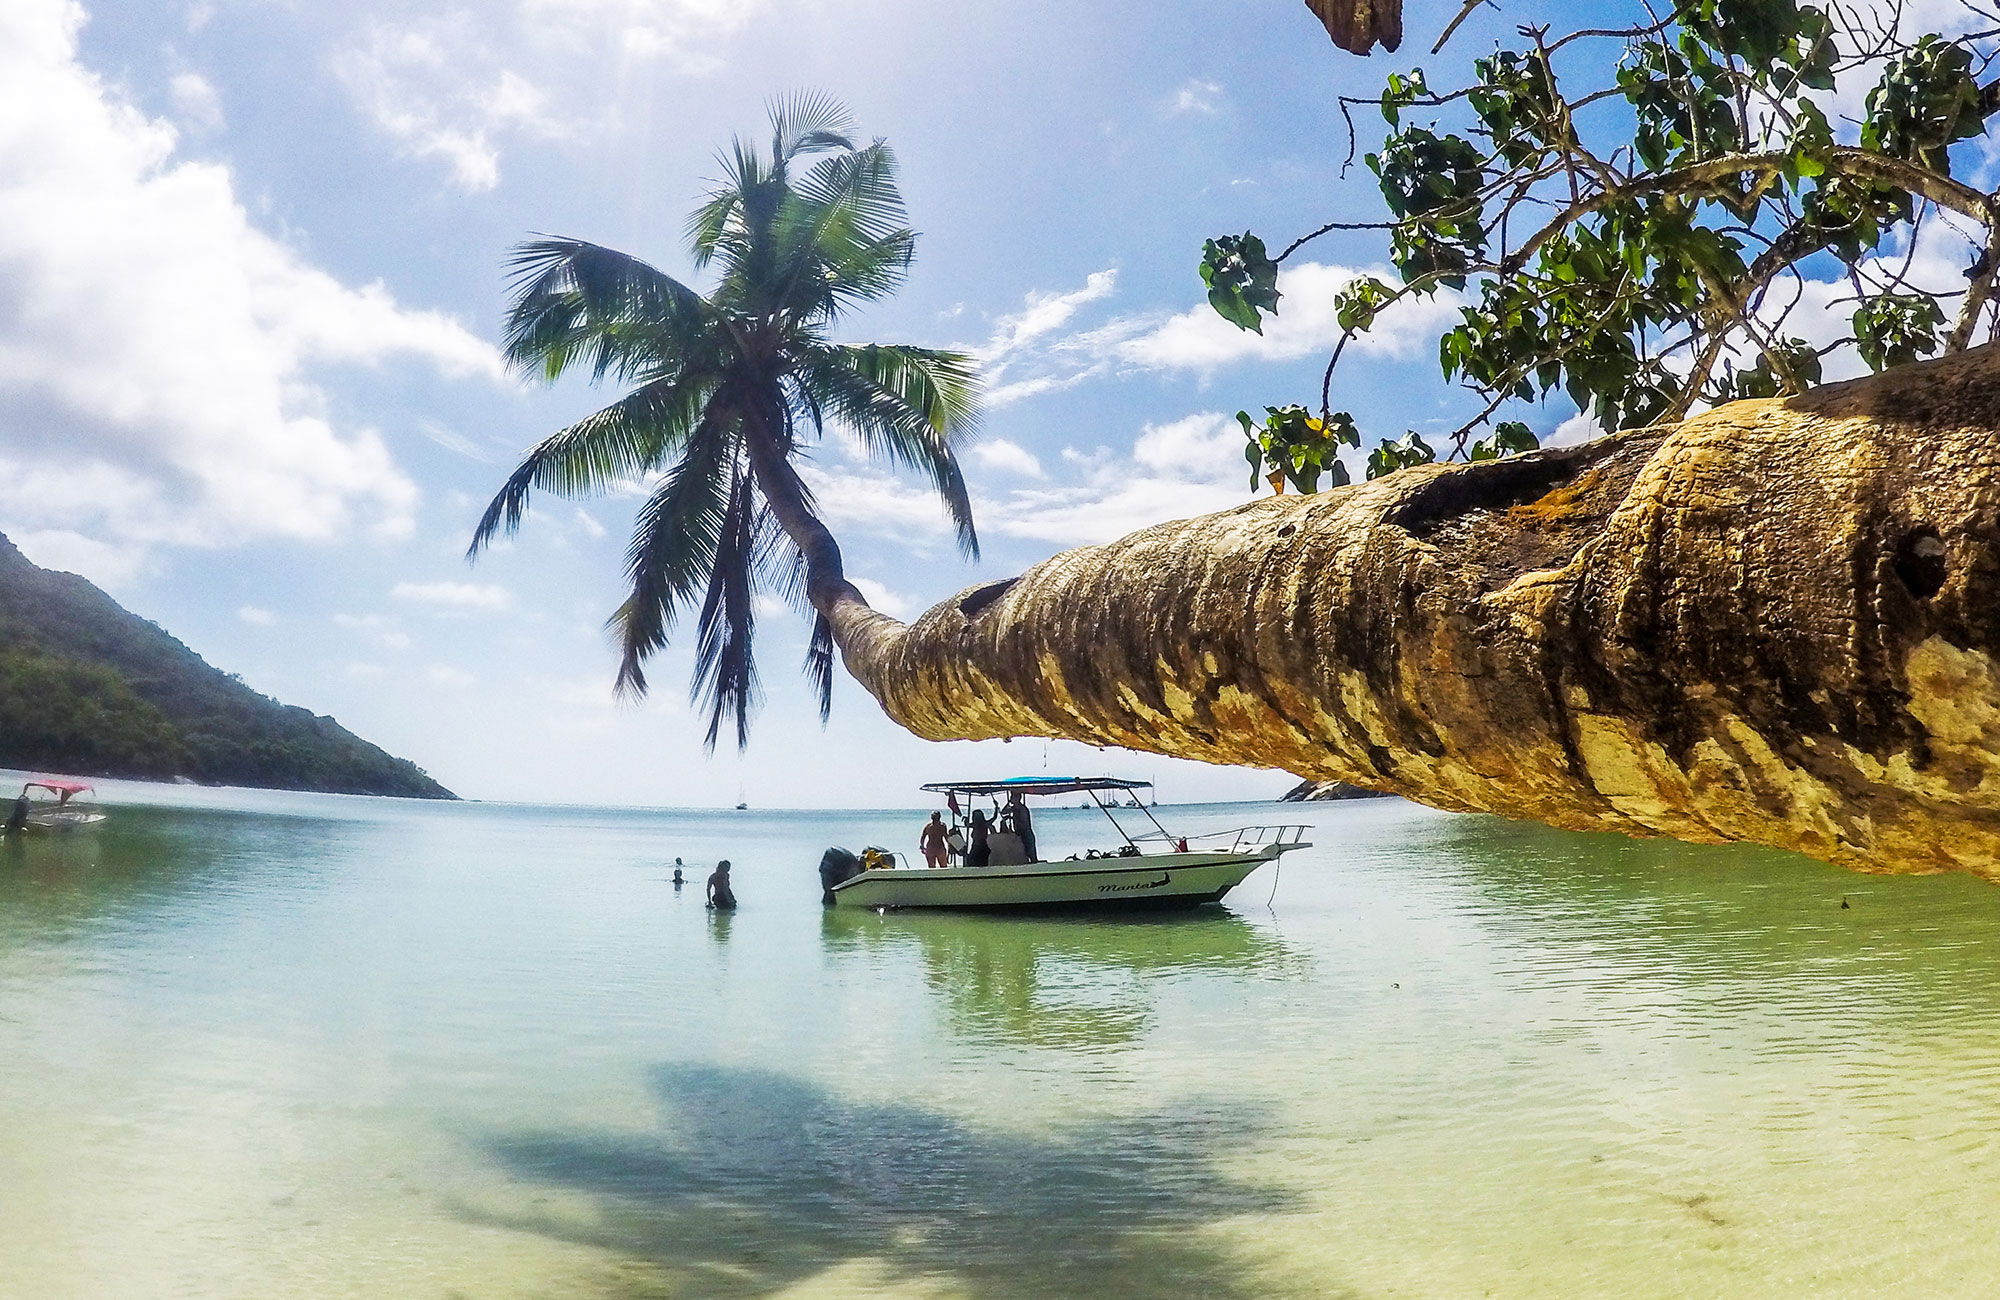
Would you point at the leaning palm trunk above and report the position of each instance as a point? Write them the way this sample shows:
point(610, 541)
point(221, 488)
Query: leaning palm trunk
point(1778, 622)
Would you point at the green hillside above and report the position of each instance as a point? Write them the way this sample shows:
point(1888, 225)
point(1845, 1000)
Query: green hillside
point(88, 688)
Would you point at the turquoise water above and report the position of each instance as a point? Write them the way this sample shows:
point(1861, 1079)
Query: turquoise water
point(265, 1045)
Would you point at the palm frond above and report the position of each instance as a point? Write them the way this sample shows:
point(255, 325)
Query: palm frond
point(808, 121)
point(861, 186)
point(580, 303)
point(782, 568)
point(725, 671)
point(866, 272)
point(673, 549)
point(626, 440)
point(819, 665)
point(843, 240)
point(910, 406)
point(709, 223)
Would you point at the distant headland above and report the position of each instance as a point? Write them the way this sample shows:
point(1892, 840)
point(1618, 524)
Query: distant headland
point(89, 688)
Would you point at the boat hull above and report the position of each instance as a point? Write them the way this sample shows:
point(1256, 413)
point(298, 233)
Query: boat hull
point(1161, 880)
point(63, 821)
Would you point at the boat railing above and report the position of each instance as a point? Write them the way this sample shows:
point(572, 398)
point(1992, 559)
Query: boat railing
point(1242, 839)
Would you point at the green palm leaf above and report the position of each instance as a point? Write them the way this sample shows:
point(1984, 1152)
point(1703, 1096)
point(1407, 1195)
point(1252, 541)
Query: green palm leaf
point(725, 669)
point(577, 302)
point(808, 121)
point(675, 541)
point(625, 441)
point(910, 406)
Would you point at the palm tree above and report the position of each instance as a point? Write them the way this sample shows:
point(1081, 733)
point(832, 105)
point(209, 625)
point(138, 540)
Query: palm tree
point(728, 390)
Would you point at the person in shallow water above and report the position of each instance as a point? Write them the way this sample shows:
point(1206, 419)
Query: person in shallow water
point(937, 852)
point(679, 879)
point(978, 853)
point(720, 895)
point(1024, 825)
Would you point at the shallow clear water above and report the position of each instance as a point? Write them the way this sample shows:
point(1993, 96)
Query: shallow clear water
point(274, 1045)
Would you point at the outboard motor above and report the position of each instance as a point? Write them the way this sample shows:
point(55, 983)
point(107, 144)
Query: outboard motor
point(836, 865)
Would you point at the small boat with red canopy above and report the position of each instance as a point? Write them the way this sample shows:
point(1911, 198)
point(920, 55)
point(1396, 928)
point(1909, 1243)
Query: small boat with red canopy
point(52, 805)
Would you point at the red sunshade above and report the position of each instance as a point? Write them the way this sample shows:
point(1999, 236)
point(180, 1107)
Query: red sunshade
point(60, 787)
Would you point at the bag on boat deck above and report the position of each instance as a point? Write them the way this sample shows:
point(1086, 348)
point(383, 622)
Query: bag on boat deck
point(874, 859)
point(954, 839)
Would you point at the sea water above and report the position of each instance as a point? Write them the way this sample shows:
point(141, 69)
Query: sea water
point(262, 1045)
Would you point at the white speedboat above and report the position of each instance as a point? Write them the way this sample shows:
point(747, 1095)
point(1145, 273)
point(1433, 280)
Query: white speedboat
point(1151, 870)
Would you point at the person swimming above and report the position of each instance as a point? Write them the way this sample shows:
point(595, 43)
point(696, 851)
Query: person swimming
point(679, 879)
point(720, 896)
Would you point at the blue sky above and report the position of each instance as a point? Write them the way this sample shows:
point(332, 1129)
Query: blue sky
point(251, 276)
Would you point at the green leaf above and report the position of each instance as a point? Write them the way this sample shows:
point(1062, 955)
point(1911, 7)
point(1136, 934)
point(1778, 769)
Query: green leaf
point(1242, 280)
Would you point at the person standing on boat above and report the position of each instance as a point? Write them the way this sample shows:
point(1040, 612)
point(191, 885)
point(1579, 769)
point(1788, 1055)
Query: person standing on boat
point(1024, 825)
point(17, 820)
point(979, 852)
point(936, 852)
point(720, 896)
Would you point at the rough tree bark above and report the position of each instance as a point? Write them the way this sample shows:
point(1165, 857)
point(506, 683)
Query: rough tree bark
point(1778, 622)
point(1357, 26)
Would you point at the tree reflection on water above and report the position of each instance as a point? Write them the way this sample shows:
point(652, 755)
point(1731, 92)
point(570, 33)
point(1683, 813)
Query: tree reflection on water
point(1064, 982)
point(759, 1181)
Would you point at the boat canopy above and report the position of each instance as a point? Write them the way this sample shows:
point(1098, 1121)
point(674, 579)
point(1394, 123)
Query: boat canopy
point(1037, 785)
point(56, 786)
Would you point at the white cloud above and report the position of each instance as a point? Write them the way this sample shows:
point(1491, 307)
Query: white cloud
point(456, 596)
point(678, 31)
point(892, 603)
point(1577, 428)
point(456, 86)
point(446, 675)
point(1176, 470)
point(588, 523)
point(1030, 340)
point(106, 564)
point(1199, 339)
point(1106, 511)
point(1019, 390)
point(196, 100)
point(869, 501)
point(1045, 312)
point(413, 83)
point(1007, 457)
point(363, 672)
point(1196, 96)
point(383, 631)
point(1203, 448)
point(155, 347)
point(1031, 353)
point(452, 440)
point(257, 617)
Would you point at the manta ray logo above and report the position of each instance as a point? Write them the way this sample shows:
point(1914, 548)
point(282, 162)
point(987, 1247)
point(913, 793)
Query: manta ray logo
point(1164, 879)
